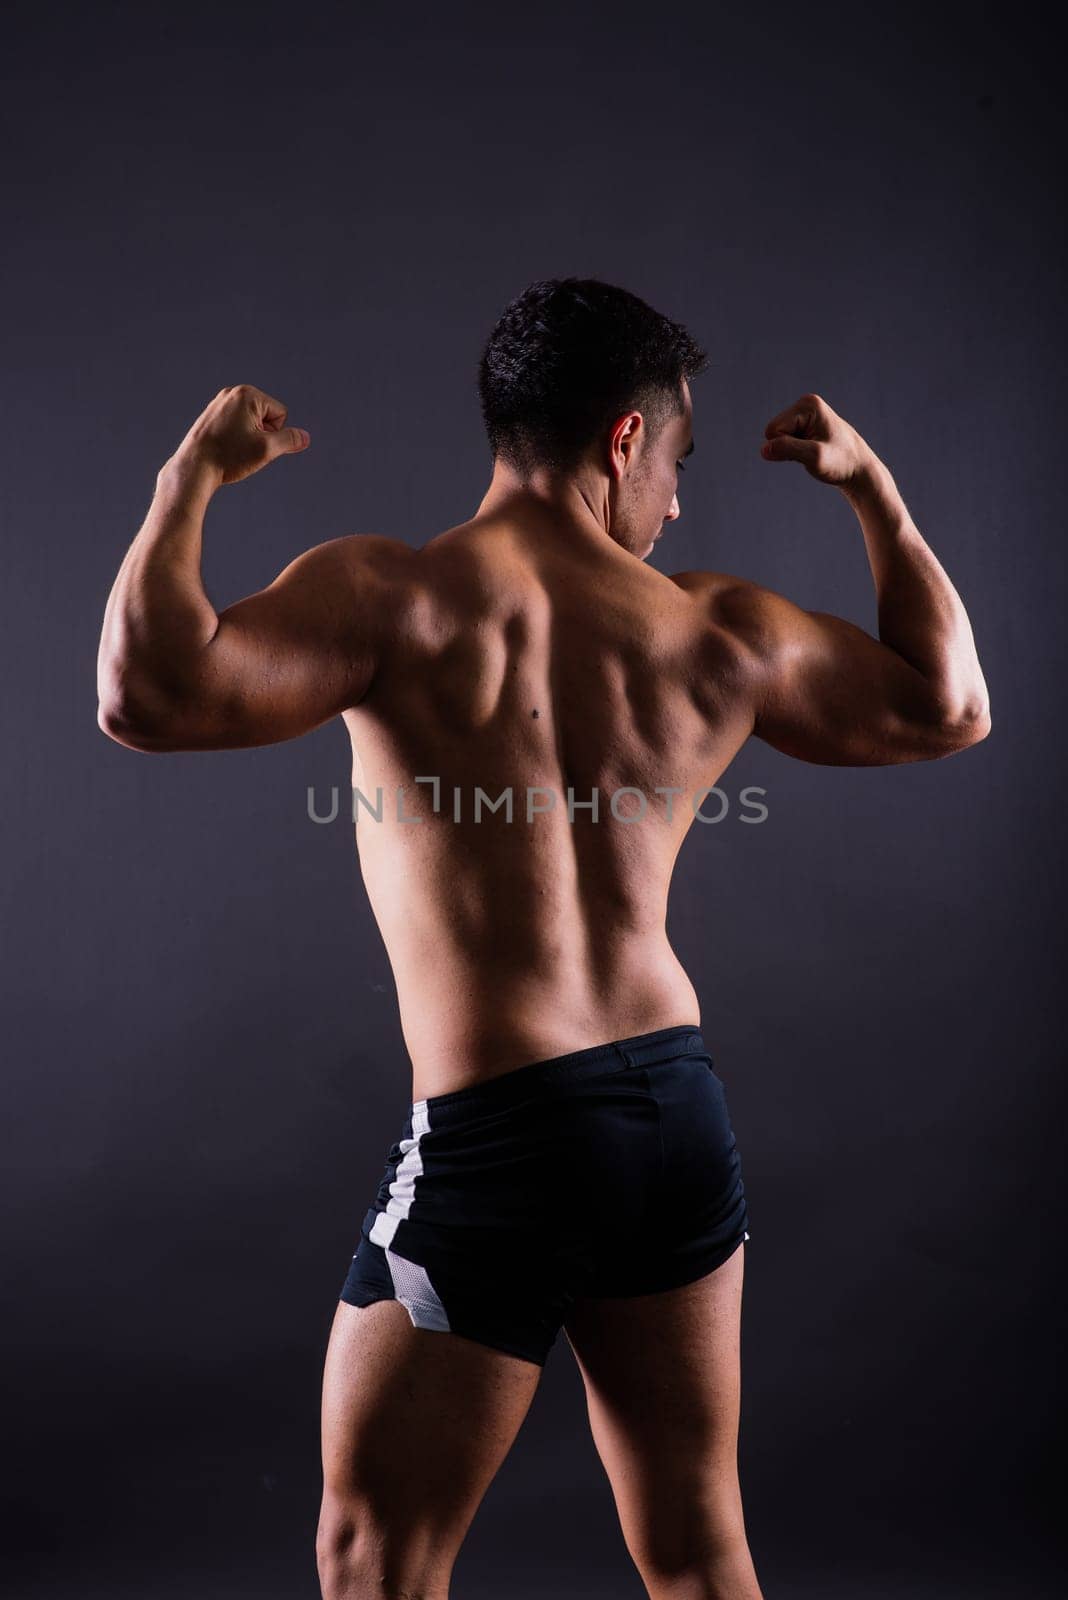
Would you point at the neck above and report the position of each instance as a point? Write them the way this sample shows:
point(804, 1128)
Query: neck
point(580, 497)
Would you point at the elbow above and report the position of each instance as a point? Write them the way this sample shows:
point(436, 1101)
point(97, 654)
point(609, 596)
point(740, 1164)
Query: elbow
point(138, 721)
point(127, 729)
point(982, 724)
point(107, 719)
point(970, 725)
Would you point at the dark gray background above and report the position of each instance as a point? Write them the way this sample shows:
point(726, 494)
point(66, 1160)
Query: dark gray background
point(204, 1066)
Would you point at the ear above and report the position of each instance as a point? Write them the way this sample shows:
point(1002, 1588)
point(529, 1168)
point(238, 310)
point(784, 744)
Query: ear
point(626, 431)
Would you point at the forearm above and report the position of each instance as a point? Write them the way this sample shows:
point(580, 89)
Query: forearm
point(921, 616)
point(158, 618)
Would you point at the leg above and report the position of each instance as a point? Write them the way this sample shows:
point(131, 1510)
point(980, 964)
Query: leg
point(415, 1424)
point(662, 1376)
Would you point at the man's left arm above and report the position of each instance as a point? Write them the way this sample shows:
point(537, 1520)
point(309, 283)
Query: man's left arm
point(174, 675)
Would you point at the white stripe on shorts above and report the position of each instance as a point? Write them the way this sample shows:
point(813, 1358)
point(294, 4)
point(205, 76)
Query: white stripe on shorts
point(411, 1285)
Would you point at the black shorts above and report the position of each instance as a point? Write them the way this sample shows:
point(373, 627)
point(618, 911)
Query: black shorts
point(610, 1171)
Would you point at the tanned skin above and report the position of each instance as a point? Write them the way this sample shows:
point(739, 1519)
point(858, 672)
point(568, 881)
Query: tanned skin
point(532, 648)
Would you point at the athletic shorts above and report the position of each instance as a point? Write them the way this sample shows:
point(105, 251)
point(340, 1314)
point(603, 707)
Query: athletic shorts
point(610, 1171)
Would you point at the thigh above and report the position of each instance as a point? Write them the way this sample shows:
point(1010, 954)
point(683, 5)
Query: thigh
point(663, 1386)
point(415, 1423)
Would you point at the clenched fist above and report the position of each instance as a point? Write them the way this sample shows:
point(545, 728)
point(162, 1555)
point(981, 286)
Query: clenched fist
point(824, 443)
point(240, 432)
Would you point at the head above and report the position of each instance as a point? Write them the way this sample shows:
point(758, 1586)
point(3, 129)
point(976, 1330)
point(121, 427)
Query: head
point(583, 381)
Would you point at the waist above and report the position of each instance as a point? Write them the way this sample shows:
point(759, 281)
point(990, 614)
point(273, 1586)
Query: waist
point(575, 1066)
point(477, 1033)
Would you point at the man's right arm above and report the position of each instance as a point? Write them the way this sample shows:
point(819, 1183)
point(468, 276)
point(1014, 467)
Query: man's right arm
point(826, 691)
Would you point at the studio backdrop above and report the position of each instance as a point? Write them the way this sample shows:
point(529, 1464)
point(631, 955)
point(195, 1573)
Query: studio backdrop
point(202, 1059)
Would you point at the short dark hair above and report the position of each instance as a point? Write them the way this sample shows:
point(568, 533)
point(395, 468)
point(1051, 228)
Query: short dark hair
point(570, 355)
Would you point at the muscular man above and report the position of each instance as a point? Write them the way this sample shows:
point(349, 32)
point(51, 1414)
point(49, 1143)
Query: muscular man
point(535, 713)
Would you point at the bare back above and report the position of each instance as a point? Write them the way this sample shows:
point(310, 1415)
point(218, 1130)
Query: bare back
point(529, 657)
point(539, 667)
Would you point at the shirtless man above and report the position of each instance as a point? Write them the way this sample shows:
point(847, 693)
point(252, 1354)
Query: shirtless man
point(567, 1158)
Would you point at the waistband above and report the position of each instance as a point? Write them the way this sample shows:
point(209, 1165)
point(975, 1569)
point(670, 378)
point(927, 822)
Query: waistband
point(642, 1049)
